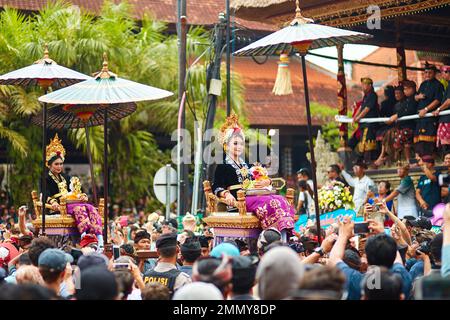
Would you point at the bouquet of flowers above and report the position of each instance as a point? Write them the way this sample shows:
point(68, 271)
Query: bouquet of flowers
point(75, 189)
point(257, 173)
point(335, 195)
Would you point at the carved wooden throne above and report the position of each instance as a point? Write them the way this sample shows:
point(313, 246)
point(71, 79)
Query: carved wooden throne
point(241, 224)
point(61, 224)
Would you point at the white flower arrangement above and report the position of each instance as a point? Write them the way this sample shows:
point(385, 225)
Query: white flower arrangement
point(334, 196)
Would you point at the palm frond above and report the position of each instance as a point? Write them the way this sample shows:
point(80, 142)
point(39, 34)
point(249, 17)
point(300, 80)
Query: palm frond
point(17, 141)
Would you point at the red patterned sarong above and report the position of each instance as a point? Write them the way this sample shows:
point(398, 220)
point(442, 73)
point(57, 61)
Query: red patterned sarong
point(403, 137)
point(443, 134)
point(87, 217)
point(272, 211)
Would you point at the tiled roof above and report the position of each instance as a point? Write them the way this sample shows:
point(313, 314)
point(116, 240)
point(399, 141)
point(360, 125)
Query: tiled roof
point(264, 108)
point(199, 12)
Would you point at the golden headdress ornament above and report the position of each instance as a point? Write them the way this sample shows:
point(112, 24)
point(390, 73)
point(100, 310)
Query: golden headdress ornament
point(230, 127)
point(55, 148)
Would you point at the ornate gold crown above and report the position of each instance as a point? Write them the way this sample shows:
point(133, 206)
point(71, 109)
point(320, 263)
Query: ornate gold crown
point(55, 148)
point(230, 126)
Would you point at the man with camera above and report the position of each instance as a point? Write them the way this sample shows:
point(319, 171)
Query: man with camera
point(428, 193)
point(405, 193)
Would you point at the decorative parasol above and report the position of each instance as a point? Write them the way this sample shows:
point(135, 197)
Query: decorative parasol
point(45, 73)
point(301, 35)
point(106, 90)
point(83, 116)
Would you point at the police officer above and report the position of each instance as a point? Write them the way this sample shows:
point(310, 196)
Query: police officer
point(165, 271)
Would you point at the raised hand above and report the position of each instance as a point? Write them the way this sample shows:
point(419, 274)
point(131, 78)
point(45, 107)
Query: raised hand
point(328, 242)
point(375, 227)
point(346, 226)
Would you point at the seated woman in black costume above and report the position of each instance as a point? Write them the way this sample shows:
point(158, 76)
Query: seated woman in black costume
point(272, 210)
point(86, 215)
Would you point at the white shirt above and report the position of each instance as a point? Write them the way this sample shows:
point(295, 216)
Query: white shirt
point(305, 195)
point(361, 187)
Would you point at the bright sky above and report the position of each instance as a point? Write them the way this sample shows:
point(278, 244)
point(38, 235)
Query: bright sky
point(351, 52)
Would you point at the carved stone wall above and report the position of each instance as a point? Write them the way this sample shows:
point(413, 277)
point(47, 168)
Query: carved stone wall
point(324, 158)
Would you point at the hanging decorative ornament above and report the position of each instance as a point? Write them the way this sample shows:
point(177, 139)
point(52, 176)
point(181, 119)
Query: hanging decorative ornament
point(283, 84)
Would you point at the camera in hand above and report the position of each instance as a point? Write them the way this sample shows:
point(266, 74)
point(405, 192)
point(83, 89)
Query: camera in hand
point(118, 266)
point(361, 228)
point(424, 248)
point(116, 252)
point(297, 247)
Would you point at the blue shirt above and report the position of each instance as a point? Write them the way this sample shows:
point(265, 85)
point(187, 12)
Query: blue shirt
point(416, 270)
point(186, 269)
point(354, 279)
point(430, 191)
point(11, 278)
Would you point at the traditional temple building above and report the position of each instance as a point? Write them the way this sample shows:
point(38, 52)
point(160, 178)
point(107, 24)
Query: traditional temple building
point(263, 109)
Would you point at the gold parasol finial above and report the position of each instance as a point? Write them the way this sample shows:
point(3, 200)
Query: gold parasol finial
point(46, 51)
point(298, 13)
point(46, 58)
point(105, 73)
point(299, 19)
point(105, 62)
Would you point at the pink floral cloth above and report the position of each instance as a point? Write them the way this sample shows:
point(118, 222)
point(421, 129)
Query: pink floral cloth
point(86, 216)
point(272, 211)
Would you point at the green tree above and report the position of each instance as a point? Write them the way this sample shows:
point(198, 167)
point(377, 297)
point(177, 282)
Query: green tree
point(144, 52)
point(330, 128)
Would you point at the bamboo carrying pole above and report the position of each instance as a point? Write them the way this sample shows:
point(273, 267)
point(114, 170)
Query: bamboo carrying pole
point(311, 147)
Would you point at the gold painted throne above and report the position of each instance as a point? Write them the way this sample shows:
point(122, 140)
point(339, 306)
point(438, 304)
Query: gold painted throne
point(241, 224)
point(61, 224)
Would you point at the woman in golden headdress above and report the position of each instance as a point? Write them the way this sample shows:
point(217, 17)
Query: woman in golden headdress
point(86, 216)
point(234, 174)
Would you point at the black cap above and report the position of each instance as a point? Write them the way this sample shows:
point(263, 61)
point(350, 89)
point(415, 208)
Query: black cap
point(190, 245)
point(204, 241)
point(142, 234)
point(244, 271)
point(171, 223)
point(361, 163)
point(422, 223)
point(167, 240)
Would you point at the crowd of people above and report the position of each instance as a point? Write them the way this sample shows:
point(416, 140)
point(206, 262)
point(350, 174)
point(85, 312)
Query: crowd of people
point(400, 251)
point(401, 260)
point(389, 140)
